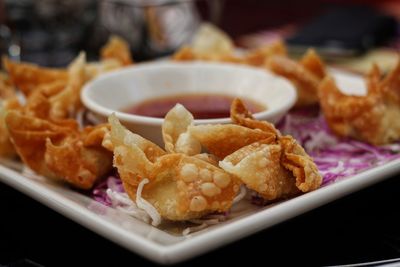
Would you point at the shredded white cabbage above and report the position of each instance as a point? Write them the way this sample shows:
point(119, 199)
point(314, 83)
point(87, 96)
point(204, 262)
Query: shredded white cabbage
point(204, 223)
point(146, 206)
point(122, 202)
point(241, 195)
point(141, 210)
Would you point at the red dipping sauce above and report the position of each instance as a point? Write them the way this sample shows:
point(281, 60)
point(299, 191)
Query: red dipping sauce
point(202, 106)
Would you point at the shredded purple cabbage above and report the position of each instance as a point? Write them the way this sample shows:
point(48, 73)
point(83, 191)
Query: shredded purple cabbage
point(335, 157)
point(112, 182)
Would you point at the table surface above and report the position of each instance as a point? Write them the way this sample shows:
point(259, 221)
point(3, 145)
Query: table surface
point(363, 226)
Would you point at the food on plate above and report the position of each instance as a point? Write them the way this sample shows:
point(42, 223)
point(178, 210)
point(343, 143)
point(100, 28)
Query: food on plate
point(182, 183)
point(30, 77)
point(211, 44)
point(258, 167)
point(60, 150)
point(7, 90)
point(258, 56)
point(202, 170)
point(373, 118)
point(275, 168)
point(178, 186)
point(27, 77)
point(8, 101)
point(43, 129)
point(117, 49)
point(59, 102)
point(175, 135)
point(306, 75)
point(224, 139)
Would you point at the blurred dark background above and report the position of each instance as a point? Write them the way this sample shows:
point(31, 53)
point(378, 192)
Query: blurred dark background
point(51, 32)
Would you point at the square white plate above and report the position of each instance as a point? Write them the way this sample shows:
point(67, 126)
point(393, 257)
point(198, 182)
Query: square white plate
point(166, 248)
point(163, 247)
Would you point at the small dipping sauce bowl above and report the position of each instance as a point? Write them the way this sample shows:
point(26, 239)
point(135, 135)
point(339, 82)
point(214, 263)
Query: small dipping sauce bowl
point(114, 92)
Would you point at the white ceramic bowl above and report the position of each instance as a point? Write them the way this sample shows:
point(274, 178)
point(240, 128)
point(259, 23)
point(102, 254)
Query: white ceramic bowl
point(120, 89)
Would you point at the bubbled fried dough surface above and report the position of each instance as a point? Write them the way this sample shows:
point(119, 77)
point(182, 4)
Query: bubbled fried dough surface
point(180, 187)
point(258, 166)
point(183, 187)
point(281, 166)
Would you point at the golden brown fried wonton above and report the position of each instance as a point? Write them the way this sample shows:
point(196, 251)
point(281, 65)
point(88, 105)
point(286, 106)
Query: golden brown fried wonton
point(275, 168)
point(306, 75)
point(27, 77)
point(60, 151)
point(117, 49)
point(180, 187)
point(373, 118)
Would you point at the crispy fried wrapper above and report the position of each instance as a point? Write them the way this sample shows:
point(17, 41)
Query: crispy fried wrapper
point(181, 187)
point(373, 118)
point(224, 139)
point(275, 168)
point(241, 116)
point(8, 101)
point(306, 75)
point(59, 100)
point(258, 56)
point(117, 49)
point(60, 151)
point(7, 90)
point(175, 133)
point(258, 166)
point(27, 77)
point(208, 44)
point(209, 40)
point(211, 44)
point(6, 147)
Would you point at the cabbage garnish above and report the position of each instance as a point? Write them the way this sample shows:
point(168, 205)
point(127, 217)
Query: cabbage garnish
point(336, 158)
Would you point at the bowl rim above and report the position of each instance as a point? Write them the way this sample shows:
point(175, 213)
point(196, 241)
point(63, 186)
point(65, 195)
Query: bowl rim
point(93, 106)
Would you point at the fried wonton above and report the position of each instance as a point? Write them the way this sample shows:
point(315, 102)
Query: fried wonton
point(242, 116)
point(56, 101)
point(275, 168)
point(27, 77)
point(175, 133)
point(306, 75)
point(115, 54)
point(209, 44)
point(212, 44)
point(60, 151)
point(8, 101)
point(209, 40)
point(180, 187)
point(258, 167)
point(258, 56)
point(224, 139)
point(7, 90)
point(117, 49)
point(373, 118)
